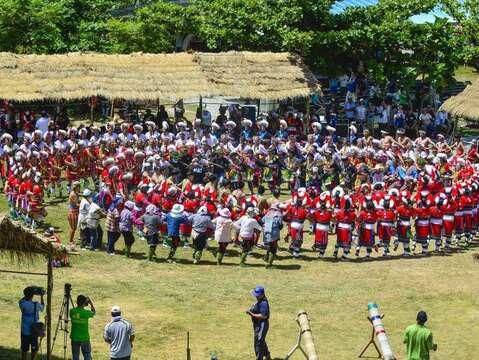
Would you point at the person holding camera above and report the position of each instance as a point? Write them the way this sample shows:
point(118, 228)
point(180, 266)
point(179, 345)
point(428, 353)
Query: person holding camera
point(31, 328)
point(79, 335)
point(259, 313)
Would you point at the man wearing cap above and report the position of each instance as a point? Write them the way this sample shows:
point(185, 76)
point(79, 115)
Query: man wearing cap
point(120, 334)
point(259, 313)
point(418, 339)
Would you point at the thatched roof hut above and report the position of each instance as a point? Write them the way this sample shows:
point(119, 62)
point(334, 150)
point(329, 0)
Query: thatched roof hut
point(24, 244)
point(464, 104)
point(153, 76)
point(257, 75)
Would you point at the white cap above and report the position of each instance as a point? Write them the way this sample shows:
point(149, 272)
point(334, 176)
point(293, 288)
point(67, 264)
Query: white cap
point(115, 309)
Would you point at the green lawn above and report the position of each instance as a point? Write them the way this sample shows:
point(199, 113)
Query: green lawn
point(164, 301)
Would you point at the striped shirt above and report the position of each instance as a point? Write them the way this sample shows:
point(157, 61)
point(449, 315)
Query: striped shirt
point(112, 221)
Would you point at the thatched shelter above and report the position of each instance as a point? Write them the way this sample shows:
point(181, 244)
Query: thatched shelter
point(464, 104)
point(140, 76)
point(24, 245)
point(271, 76)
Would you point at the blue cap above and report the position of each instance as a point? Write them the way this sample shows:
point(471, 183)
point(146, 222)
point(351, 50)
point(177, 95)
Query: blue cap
point(257, 291)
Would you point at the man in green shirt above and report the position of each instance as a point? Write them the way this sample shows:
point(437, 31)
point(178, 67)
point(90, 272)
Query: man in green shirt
point(418, 339)
point(79, 335)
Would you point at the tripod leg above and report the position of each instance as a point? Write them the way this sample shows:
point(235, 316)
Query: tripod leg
point(60, 318)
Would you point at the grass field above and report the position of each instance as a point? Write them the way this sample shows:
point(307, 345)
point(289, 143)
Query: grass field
point(164, 301)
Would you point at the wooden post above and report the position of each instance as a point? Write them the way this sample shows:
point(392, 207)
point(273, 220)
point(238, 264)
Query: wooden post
point(112, 111)
point(49, 306)
point(307, 116)
point(201, 109)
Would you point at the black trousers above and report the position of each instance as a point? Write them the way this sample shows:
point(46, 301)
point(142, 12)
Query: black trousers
point(200, 241)
point(260, 347)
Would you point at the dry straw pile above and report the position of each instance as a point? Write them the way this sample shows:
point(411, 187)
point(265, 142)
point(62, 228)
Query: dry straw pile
point(152, 76)
point(465, 104)
point(24, 245)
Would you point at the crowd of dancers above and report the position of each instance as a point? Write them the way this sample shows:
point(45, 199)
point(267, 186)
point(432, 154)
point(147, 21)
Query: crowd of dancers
point(187, 183)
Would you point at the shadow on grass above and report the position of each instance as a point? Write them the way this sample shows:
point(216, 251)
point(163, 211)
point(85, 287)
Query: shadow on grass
point(13, 354)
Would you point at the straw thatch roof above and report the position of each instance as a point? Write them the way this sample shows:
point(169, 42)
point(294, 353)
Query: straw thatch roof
point(152, 76)
point(24, 244)
point(257, 75)
point(464, 104)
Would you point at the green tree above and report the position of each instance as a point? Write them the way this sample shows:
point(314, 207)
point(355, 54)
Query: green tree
point(466, 14)
point(153, 28)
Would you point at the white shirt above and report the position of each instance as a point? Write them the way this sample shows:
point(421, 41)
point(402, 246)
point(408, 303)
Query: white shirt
point(223, 229)
point(92, 218)
point(83, 212)
point(42, 124)
point(247, 225)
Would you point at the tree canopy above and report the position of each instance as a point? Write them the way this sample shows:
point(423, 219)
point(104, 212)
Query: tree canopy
point(382, 38)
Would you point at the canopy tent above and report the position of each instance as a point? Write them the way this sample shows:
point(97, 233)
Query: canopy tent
point(25, 245)
point(464, 104)
point(139, 76)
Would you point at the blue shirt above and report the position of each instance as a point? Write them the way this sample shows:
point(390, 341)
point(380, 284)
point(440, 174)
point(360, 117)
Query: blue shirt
point(272, 228)
point(173, 224)
point(282, 134)
point(261, 326)
point(28, 316)
point(247, 134)
point(264, 134)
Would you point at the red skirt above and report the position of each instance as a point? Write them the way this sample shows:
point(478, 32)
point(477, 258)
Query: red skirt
point(296, 231)
point(422, 229)
point(321, 234)
point(459, 222)
point(163, 229)
point(366, 236)
point(385, 231)
point(468, 221)
point(436, 229)
point(344, 234)
point(403, 229)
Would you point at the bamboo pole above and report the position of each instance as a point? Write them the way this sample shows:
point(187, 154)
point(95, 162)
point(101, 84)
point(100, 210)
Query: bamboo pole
point(22, 272)
point(307, 335)
point(49, 307)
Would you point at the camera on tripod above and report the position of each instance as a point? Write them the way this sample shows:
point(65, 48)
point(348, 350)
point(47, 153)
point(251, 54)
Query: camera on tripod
point(64, 318)
point(67, 290)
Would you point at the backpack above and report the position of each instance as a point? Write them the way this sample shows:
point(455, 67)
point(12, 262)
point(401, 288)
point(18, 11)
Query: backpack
point(38, 328)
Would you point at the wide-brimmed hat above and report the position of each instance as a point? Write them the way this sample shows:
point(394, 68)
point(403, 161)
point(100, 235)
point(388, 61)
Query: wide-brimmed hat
point(177, 210)
point(225, 212)
point(86, 193)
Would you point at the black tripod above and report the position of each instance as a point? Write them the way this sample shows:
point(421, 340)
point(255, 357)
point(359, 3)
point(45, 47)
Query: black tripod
point(64, 319)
